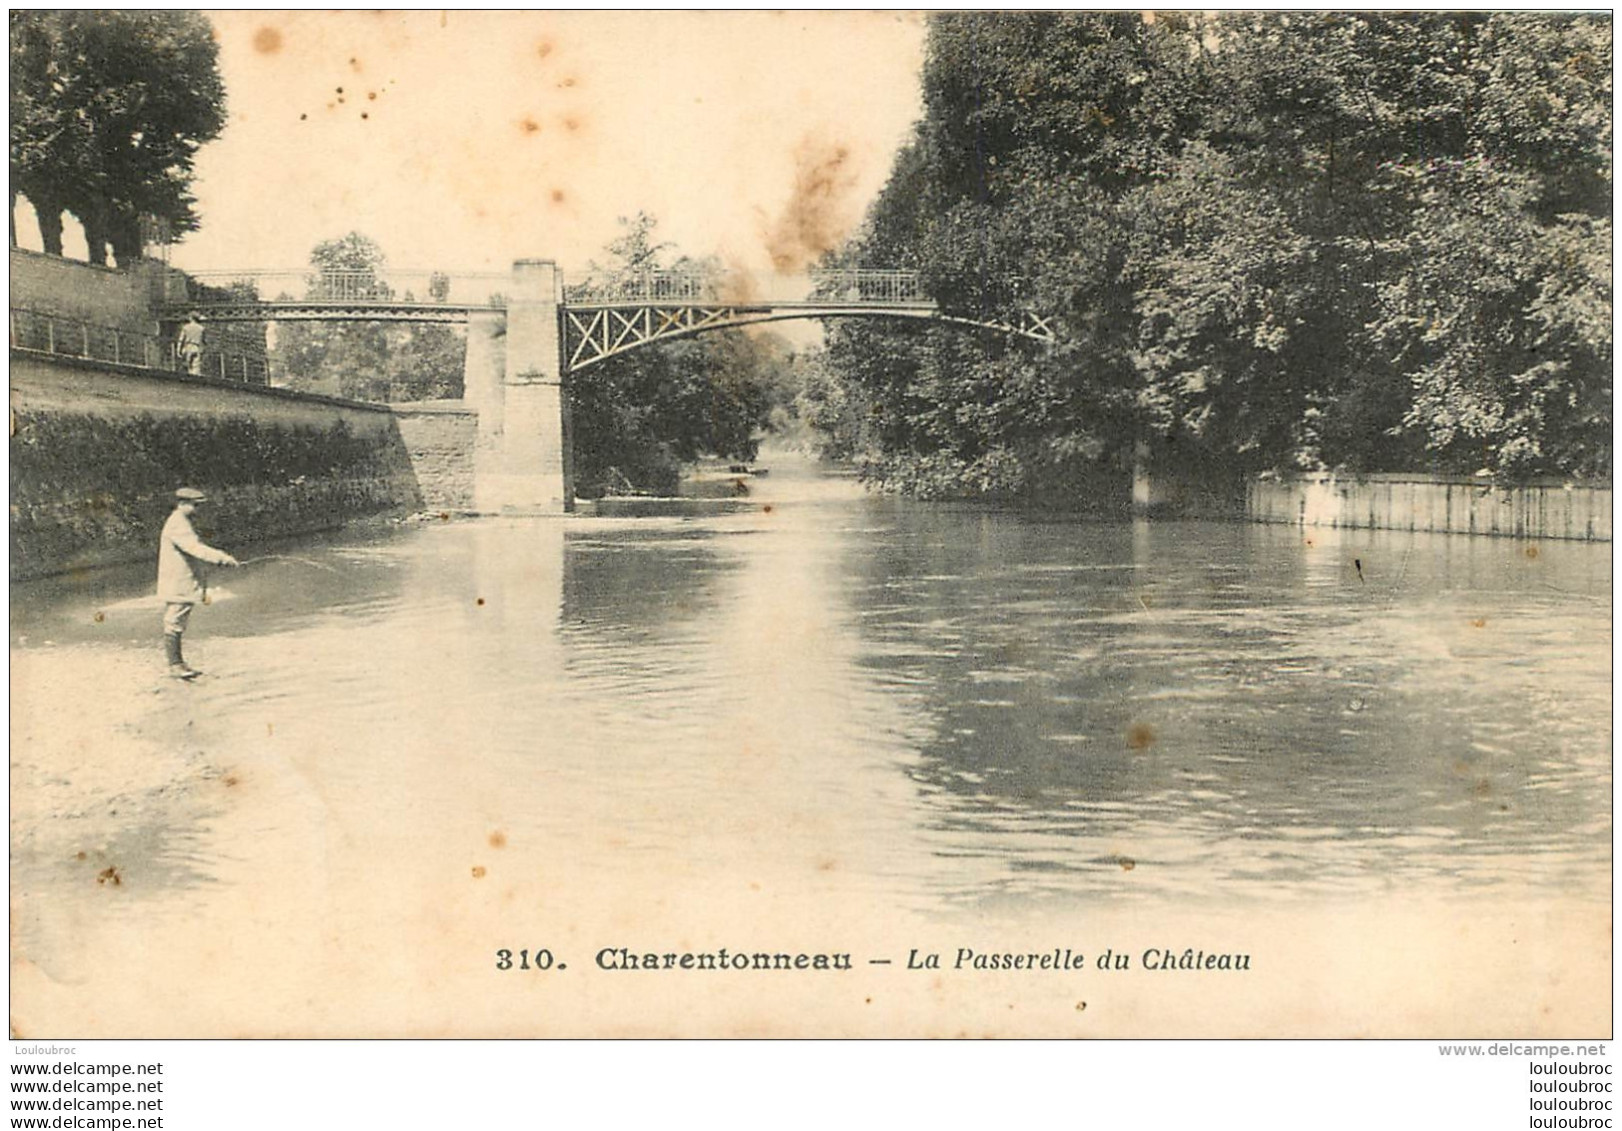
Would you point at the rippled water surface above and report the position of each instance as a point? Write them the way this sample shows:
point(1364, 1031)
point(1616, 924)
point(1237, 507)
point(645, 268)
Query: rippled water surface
point(941, 707)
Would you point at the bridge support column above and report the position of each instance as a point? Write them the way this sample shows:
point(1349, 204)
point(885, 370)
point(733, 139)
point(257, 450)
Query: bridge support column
point(525, 462)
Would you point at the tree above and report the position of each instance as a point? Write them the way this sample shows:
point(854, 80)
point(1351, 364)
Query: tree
point(638, 416)
point(1359, 241)
point(108, 110)
point(366, 361)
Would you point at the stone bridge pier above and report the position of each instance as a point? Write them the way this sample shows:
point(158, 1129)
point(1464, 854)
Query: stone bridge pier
point(513, 376)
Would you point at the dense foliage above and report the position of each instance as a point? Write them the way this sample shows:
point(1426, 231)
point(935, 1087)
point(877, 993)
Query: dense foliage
point(108, 109)
point(366, 361)
point(637, 417)
point(1371, 242)
point(85, 483)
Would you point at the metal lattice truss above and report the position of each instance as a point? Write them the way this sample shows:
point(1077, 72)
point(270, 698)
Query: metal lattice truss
point(593, 333)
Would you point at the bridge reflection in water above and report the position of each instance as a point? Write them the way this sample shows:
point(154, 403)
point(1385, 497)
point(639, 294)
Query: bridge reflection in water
point(963, 705)
point(845, 711)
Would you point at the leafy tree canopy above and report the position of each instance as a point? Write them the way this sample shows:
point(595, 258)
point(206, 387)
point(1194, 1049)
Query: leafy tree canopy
point(108, 110)
point(366, 361)
point(1375, 242)
point(638, 416)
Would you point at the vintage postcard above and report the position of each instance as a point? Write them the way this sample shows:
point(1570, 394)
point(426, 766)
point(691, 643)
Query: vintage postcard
point(810, 524)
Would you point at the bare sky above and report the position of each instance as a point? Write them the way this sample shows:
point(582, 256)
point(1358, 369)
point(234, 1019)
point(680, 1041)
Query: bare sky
point(465, 140)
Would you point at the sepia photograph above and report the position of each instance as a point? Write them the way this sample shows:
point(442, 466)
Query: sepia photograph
point(811, 524)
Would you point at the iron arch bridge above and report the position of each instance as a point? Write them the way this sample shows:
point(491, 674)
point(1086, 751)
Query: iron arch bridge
point(597, 321)
point(601, 322)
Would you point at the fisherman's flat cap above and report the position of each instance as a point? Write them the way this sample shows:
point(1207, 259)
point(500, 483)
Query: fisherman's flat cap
point(190, 495)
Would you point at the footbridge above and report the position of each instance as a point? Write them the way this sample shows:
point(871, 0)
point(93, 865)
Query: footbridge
point(530, 332)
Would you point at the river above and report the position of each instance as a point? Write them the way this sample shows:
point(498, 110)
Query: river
point(828, 703)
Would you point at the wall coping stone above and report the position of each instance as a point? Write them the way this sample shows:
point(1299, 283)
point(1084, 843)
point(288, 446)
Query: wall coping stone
point(433, 408)
point(1482, 482)
point(190, 379)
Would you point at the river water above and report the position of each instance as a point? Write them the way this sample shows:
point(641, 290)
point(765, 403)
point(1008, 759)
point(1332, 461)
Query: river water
point(948, 711)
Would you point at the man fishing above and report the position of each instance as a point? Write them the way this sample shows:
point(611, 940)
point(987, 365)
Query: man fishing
point(180, 580)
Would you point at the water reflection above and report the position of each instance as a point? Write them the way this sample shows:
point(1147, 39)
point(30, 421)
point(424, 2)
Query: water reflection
point(934, 706)
point(1200, 708)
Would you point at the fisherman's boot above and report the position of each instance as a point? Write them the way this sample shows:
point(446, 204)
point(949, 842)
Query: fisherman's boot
point(177, 664)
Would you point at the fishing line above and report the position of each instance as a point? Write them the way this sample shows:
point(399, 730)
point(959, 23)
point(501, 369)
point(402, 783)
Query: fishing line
point(290, 558)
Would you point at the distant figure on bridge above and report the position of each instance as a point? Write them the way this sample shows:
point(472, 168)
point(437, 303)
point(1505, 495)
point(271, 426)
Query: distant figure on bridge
point(181, 583)
point(189, 345)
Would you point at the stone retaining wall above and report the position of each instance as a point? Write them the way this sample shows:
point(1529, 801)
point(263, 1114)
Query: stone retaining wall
point(97, 451)
point(440, 437)
point(1542, 509)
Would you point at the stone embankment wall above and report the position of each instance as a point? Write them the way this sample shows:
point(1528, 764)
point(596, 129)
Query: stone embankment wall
point(1543, 509)
point(100, 296)
point(111, 314)
point(440, 437)
point(97, 451)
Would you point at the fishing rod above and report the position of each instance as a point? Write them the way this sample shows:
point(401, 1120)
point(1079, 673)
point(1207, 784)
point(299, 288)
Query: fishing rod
point(289, 558)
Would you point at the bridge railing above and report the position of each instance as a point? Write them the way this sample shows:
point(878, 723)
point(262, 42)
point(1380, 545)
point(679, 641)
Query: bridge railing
point(857, 286)
point(38, 332)
point(648, 286)
point(349, 288)
point(843, 287)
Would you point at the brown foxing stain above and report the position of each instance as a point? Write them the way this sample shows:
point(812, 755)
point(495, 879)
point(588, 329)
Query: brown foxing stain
point(1140, 736)
point(827, 865)
point(99, 617)
point(767, 509)
point(232, 779)
point(1483, 788)
point(444, 516)
point(817, 217)
point(569, 82)
point(498, 839)
point(1127, 864)
point(267, 40)
point(557, 196)
point(1532, 552)
point(478, 871)
point(1479, 622)
point(479, 601)
point(109, 876)
point(79, 855)
point(572, 123)
point(270, 730)
point(530, 126)
point(543, 48)
point(1081, 1007)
